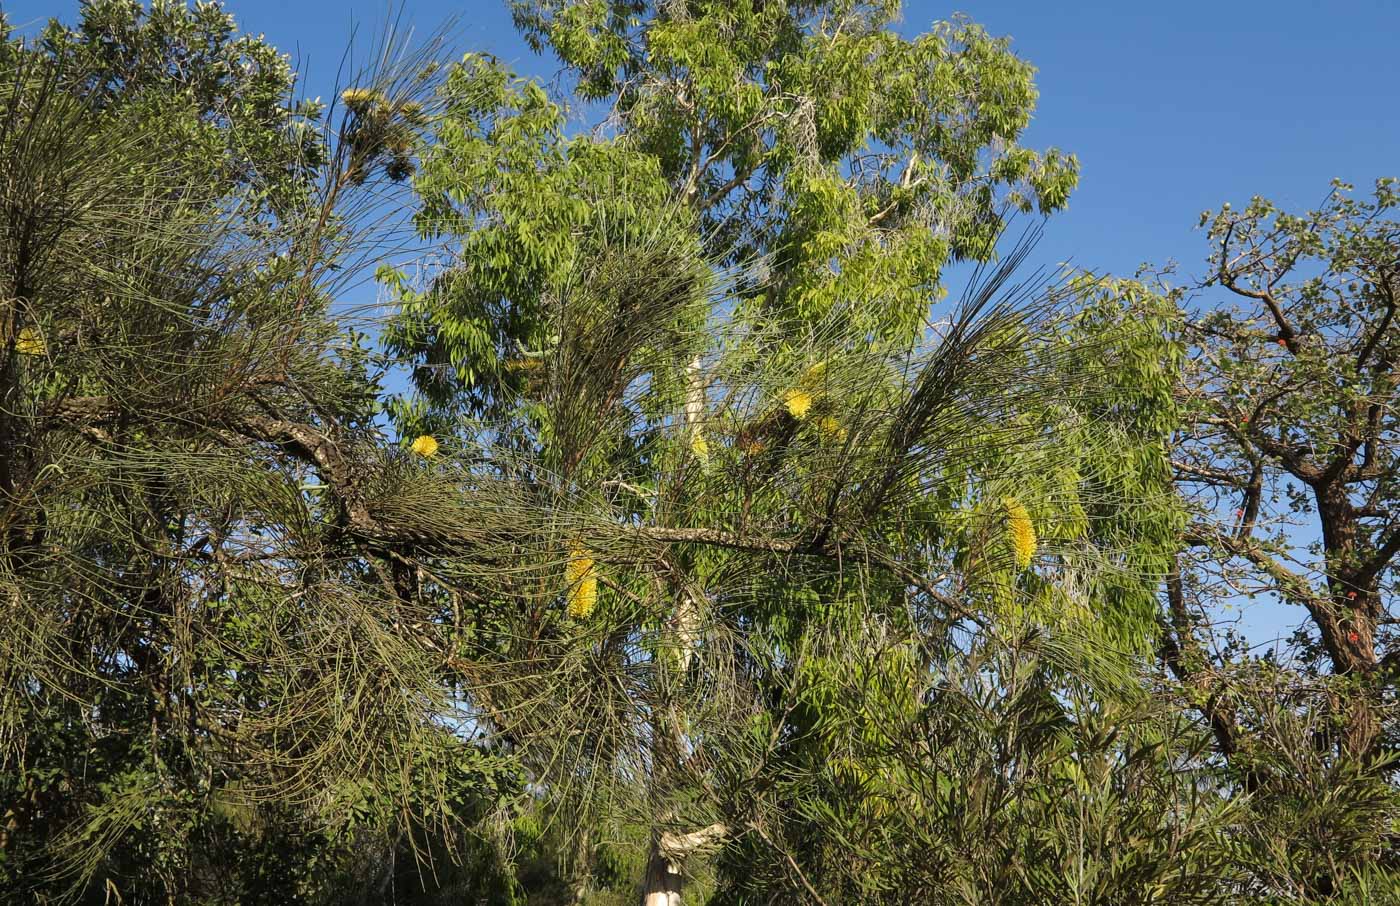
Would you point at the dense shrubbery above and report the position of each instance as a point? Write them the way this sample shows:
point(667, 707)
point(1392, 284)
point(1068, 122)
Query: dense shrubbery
point(709, 553)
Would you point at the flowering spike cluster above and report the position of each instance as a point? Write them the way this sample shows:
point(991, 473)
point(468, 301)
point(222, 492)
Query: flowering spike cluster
point(582, 579)
point(1021, 531)
point(799, 399)
point(425, 445)
point(700, 447)
point(29, 342)
point(831, 429)
point(798, 402)
point(359, 99)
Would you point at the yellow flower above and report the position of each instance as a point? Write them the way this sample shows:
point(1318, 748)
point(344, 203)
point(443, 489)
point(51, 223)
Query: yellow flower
point(357, 99)
point(798, 402)
point(700, 447)
point(1021, 531)
point(830, 429)
point(582, 579)
point(30, 342)
point(425, 445)
point(799, 399)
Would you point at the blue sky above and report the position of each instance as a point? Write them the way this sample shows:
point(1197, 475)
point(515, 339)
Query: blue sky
point(1172, 107)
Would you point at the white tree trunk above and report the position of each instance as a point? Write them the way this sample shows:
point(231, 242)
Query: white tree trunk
point(662, 886)
point(666, 861)
point(666, 858)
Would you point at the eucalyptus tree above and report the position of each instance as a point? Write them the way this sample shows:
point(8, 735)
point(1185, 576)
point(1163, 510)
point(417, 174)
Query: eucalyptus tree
point(705, 336)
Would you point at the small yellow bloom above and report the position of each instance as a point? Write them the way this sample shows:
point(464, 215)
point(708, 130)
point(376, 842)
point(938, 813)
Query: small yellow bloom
point(425, 445)
point(581, 576)
point(357, 99)
point(831, 430)
point(799, 399)
point(798, 403)
point(700, 447)
point(1021, 532)
point(30, 342)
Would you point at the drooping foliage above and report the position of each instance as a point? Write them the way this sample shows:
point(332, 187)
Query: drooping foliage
point(202, 693)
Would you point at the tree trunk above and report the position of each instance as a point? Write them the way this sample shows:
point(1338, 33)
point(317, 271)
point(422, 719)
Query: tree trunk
point(663, 882)
point(1349, 625)
point(662, 886)
point(666, 859)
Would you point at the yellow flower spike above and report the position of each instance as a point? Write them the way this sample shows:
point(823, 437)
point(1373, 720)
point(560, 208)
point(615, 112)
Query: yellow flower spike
point(831, 430)
point(581, 576)
point(357, 99)
point(798, 403)
point(700, 447)
point(1021, 531)
point(425, 445)
point(30, 342)
point(799, 399)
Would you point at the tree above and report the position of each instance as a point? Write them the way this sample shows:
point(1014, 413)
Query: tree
point(1287, 455)
point(788, 137)
point(206, 690)
point(222, 100)
point(708, 529)
point(702, 337)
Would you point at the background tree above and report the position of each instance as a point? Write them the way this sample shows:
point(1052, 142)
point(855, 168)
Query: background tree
point(1287, 455)
point(805, 143)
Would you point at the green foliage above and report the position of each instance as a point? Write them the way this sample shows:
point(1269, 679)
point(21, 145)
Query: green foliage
point(976, 781)
point(725, 127)
point(534, 208)
point(216, 100)
point(872, 576)
point(201, 699)
point(1123, 340)
point(713, 319)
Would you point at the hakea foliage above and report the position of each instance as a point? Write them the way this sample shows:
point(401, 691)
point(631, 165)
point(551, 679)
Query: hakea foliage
point(194, 561)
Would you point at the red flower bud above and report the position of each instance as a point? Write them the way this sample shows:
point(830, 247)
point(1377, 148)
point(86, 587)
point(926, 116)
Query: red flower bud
point(1282, 341)
point(1239, 513)
point(1353, 637)
point(1351, 595)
